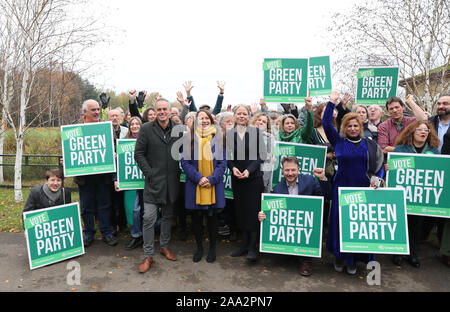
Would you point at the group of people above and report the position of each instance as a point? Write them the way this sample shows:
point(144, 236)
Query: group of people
point(204, 143)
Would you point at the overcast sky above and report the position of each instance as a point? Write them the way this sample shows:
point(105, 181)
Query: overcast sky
point(158, 45)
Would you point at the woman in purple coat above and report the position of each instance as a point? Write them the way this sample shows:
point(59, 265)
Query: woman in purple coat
point(204, 162)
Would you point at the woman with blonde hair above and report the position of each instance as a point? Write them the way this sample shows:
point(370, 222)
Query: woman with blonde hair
point(246, 152)
point(359, 159)
point(420, 138)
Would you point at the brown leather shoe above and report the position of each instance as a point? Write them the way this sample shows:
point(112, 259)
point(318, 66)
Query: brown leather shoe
point(305, 268)
point(146, 264)
point(168, 254)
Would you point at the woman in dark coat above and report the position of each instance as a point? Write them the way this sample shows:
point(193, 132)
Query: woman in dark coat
point(205, 192)
point(246, 151)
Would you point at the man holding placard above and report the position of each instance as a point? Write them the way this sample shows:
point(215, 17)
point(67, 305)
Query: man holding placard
point(95, 189)
point(295, 183)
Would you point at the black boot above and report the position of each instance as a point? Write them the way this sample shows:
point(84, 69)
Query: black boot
point(243, 250)
point(212, 229)
point(197, 223)
point(251, 256)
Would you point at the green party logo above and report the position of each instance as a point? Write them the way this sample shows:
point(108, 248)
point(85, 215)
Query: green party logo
point(272, 64)
point(126, 148)
point(401, 163)
point(353, 198)
point(269, 204)
point(366, 73)
point(72, 133)
point(36, 220)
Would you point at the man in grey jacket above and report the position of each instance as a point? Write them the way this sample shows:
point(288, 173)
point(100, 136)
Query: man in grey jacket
point(162, 176)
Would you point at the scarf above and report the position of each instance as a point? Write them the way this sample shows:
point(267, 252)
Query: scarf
point(293, 137)
point(205, 195)
point(53, 196)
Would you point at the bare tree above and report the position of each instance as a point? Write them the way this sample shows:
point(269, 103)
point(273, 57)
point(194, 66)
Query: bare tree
point(413, 35)
point(42, 31)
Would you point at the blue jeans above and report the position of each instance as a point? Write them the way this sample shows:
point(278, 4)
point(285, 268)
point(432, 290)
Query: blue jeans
point(136, 228)
point(95, 201)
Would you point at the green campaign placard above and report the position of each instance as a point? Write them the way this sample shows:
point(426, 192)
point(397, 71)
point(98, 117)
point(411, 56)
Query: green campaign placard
point(376, 85)
point(309, 157)
point(53, 234)
point(373, 221)
point(129, 176)
point(425, 177)
point(319, 76)
point(285, 80)
point(293, 225)
point(88, 149)
point(226, 181)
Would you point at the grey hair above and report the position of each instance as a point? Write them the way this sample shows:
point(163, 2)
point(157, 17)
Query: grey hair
point(189, 115)
point(224, 115)
point(162, 100)
point(84, 106)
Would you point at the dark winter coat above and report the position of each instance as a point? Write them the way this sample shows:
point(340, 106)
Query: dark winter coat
point(153, 156)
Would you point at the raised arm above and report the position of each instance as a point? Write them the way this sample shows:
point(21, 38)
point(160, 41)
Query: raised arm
point(219, 101)
point(188, 87)
point(307, 130)
point(327, 120)
point(342, 109)
point(417, 111)
point(132, 105)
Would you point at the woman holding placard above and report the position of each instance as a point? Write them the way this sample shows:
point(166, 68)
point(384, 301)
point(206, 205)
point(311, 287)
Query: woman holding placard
point(133, 199)
point(204, 164)
point(421, 138)
point(359, 160)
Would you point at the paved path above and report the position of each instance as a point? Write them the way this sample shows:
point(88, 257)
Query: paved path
point(105, 268)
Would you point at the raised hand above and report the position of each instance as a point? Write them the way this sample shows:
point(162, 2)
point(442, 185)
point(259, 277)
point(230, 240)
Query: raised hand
point(262, 103)
point(221, 86)
point(180, 98)
point(188, 87)
point(334, 97)
point(132, 95)
point(345, 99)
point(409, 99)
point(319, 173)
point(308, 103)
point(254, 108)
point(141, 98)
point(104, 99)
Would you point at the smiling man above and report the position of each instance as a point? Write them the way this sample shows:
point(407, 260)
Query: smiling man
point(162, 175)
point(295, 183)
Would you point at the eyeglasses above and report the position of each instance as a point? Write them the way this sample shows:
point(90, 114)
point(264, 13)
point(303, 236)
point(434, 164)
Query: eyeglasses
point(422, 130)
